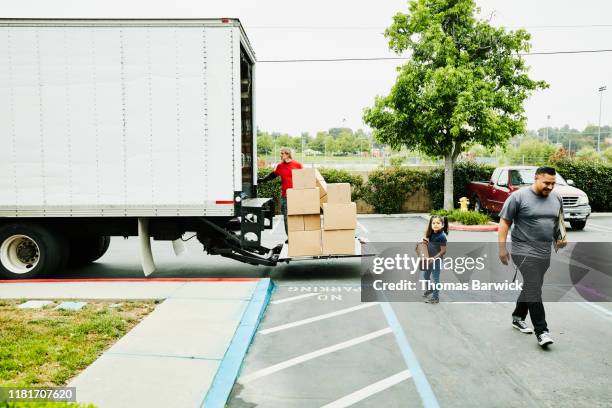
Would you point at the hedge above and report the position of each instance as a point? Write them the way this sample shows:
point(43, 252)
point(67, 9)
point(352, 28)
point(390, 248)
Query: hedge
point(387, 189)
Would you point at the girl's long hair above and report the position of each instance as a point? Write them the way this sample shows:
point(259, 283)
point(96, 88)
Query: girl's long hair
point(429, 230)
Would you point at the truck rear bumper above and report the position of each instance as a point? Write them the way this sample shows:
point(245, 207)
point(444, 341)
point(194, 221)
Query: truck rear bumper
point(577, 213)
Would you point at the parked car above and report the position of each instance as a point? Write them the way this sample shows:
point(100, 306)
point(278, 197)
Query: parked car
point(490, 195)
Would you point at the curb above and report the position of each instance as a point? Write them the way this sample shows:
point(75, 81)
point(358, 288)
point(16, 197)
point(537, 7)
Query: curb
point(460, 227)
point(227, 373)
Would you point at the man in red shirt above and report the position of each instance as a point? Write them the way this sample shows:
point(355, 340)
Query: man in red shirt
point(283, 170)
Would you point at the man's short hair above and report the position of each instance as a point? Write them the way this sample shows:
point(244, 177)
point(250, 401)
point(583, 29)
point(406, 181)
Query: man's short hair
point(546, 170)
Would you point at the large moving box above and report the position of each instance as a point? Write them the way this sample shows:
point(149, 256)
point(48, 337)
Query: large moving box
point(339, 216)
point(339, 242)
point(304, 243)
point(338, 193)
point(311, 222)
point(303, 201)
point(304, 178)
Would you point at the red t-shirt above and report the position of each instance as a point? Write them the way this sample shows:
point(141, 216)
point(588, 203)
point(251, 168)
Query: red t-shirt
point(283, 170)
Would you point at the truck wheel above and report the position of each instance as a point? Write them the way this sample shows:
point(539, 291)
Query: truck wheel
point(477, 205)
point(85, 250)
point(29, 251)
point(578, 225)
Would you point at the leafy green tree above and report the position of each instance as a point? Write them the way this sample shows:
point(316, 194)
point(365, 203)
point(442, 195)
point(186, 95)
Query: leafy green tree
point(264, 143)
point(465, 83)
point(347, 143)
point(607, 155)
point(318, 143)
point(531, 152)
point(587, 153)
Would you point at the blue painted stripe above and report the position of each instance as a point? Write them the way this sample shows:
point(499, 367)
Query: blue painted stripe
point(420, 380)
point(228, 371)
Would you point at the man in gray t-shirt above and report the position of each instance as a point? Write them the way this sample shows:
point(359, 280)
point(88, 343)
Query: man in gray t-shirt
point(532, 212)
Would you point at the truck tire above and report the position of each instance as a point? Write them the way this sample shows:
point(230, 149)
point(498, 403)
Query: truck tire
point(85, 250)
point(578, 225)
point(477, 204)
point(29, 251)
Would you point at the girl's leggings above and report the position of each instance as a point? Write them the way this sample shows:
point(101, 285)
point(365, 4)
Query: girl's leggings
point(432, 274)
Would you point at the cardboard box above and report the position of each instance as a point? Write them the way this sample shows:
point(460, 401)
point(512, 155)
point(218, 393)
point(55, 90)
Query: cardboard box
point(303, 201)
point(310, 222)
point(304, 178)
point(339, 242)
point(321, 183)
point(304, 243)
point(322, 200)
point(339, 193)
point(339, 216)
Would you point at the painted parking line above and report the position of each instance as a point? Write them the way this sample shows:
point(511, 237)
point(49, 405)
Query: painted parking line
point(598, 227)
point(317, 318)
point(292, 298)
point(370, 390)
point(310, 356)
point(420, 380)
point(602, 311)
point(364, 229)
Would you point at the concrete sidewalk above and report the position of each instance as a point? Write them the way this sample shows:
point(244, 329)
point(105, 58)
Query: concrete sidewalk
point(172, 357)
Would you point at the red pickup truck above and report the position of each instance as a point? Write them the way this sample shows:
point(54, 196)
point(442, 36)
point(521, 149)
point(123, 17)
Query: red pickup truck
point(490, 195)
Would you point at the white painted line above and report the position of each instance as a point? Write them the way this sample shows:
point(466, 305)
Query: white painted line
point(372, 389)
point(310, 356)
point(360, 225)
point(597, 227)
point(600, 309)
point(317, 318)
point(477, 303)
point(290, 299)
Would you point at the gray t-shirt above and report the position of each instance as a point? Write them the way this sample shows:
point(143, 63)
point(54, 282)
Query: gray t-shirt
point(533, 219)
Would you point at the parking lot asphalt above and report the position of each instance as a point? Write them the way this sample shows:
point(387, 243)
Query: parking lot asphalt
point(319, 345)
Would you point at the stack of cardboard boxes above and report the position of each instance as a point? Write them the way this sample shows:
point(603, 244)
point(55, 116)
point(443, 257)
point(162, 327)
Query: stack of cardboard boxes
point(303, 214)
point(310, 192)
point(339, 220)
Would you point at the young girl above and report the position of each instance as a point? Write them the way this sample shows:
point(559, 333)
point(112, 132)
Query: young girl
point(436, 237)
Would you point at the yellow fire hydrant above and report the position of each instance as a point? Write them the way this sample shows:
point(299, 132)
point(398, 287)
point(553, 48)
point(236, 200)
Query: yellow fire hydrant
point(463, 203)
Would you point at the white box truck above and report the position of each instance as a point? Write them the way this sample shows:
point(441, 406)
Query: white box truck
point(126, 128)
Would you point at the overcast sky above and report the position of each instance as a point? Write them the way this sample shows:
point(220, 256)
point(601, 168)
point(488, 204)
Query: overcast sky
point(296, 97)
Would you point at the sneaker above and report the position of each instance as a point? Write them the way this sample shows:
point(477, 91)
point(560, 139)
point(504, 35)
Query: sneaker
point(427, 293)
point(544, 339)
point(432, 300)
point(521, 326)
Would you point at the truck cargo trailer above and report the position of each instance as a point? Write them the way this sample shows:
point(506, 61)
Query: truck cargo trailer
point(126, 128)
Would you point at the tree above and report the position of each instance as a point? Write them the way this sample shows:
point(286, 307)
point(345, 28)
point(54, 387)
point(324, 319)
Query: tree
point(264, 143)
point(465, 83)
point(587, 153)
point(607, 155)
point(532, 152)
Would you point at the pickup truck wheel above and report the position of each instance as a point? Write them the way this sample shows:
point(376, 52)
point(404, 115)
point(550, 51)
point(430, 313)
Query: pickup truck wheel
point(578, 225)
point(28, 251)
point(85, 250)
point(477, 205)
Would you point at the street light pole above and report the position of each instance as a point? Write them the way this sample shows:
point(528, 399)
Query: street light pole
point(601, 91)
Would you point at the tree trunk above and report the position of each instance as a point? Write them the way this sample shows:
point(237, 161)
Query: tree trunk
point(449, 168)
